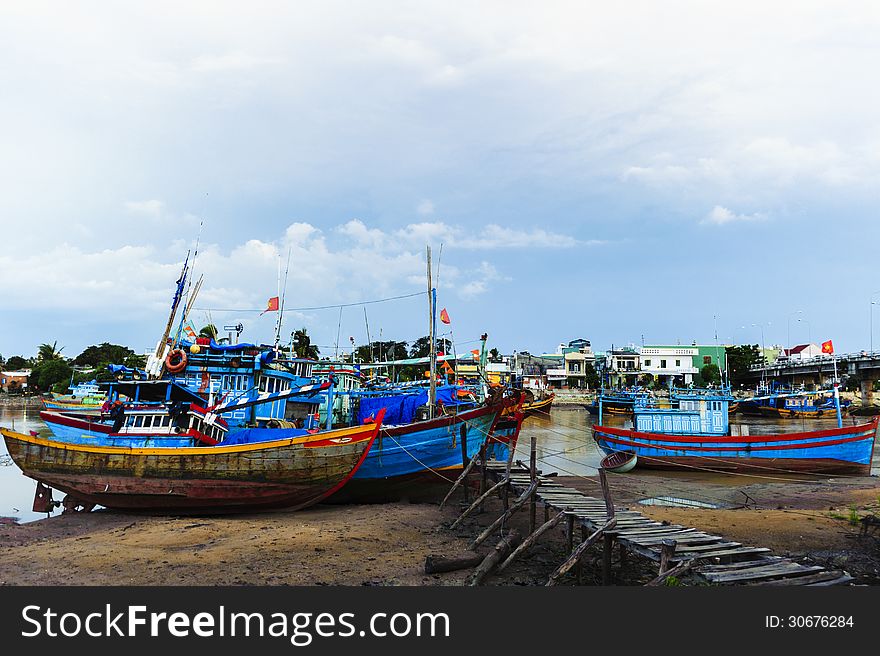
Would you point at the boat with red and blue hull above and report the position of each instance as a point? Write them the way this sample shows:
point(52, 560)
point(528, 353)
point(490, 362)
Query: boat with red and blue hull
point(846, 450)
point(694, 433)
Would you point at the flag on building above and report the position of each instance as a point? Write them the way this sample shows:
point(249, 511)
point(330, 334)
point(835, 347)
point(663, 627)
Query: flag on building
point(271, 305)
point(827, 347)
point(444, 316)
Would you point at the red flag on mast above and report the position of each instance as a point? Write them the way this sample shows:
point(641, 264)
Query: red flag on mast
point(271, 305)
point(827, 347)
point(444, 316)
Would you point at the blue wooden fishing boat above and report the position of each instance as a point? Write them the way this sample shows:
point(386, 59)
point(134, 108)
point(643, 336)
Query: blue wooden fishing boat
point(695, 434)
point(783, 402)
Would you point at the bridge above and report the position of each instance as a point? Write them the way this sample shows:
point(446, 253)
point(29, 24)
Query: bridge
point(819, 371)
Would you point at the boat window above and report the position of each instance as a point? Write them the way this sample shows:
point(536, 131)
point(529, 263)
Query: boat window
point(148, 421)
point(138, 421)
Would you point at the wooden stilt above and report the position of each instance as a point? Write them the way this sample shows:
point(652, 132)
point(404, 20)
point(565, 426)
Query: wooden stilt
point(531, 539)
point(463, 433)
point(607, 546)
point(478, 502)
point(462, 476)
point(679, 569)
point(504, 547)
point(569, 534)
point(667, 549)
point(533, 471)
point(606, 493)
point(579, 567)
point(516, 505)
point(435, 564)
point(506, 494)
point(577, 553)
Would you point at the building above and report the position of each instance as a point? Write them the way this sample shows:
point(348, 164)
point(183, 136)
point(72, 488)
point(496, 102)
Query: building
point(621, 367)
point(670, 365)
point(576, 358)
point(799, 352)
point(706, 354)
point(14, 381)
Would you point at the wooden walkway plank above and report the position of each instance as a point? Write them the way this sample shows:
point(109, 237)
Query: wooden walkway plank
point(764, 572)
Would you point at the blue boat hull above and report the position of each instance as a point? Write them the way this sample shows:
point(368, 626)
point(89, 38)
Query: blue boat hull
point(838, 450)
point(429, 446)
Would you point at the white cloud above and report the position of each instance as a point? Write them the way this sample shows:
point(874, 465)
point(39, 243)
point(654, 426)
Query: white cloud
point(148, 208)
point(722, 216)
point(425, 208)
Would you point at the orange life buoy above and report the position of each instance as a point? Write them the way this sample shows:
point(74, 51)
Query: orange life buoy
point(176, 361)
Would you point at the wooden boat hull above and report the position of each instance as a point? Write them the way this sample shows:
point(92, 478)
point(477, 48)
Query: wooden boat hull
point(504, 436)
point(541, 407)
point(787, 413)
point(835, 451)
point(289, 473)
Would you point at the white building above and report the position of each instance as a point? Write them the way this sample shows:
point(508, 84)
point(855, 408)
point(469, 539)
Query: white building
point(664, 362)
point(800, 352)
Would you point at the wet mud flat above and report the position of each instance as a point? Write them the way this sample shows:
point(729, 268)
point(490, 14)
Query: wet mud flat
point(386, 544)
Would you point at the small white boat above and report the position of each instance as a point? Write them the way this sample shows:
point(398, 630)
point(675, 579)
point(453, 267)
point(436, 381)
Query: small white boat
point(619, 462)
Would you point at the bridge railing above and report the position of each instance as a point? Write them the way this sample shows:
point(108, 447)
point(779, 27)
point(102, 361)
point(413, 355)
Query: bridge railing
point(817, 360)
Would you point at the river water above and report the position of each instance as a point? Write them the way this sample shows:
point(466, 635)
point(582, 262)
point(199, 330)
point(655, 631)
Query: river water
point(564, 445)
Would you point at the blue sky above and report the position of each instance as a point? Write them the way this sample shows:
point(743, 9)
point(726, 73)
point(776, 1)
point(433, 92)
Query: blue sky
point(648, 169)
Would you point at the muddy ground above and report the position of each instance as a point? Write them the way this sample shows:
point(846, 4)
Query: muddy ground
point(386, 544)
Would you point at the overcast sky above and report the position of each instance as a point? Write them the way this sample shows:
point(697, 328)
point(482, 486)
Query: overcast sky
point(642, 170)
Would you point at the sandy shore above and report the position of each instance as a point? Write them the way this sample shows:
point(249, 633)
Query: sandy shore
point(386, 544)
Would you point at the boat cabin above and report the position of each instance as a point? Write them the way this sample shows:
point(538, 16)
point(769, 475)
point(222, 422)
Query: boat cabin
point(698, 412)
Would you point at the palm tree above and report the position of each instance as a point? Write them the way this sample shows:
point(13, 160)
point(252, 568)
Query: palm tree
point(49, 352)
point(302, 345)
point(209, 331)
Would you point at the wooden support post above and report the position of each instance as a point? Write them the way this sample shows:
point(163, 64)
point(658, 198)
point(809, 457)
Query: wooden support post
point(533, 471)
point(462, 476)
point(607, 546)
point(569, 534)
point(579, 567)
point(505, 496)
point(516, 505)
point(529, 541)
point(435, 564)
point(606, 493)
point(667, 549)
point(478, 502)
point(484, 470)
point(546, 513)
point(464, 457)
point(679, 569)
point(622, 553)
point(577, 553)
point(504, 547)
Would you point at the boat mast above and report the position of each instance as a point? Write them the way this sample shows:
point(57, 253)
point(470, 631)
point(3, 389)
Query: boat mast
point(161, 346)
point(432, 352)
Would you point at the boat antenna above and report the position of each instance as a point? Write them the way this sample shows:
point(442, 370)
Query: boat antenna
point(283, 295)
point(188, 304)
point(338, 330)
point(432, 350)
point(369, 341)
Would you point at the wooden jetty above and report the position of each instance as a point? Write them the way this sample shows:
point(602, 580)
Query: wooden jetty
point(677, 549)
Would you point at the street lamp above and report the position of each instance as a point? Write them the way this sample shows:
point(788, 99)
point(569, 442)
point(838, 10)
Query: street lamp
point(872, 319)
point(809, 330)
point(788, 342)
point(763, 350)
